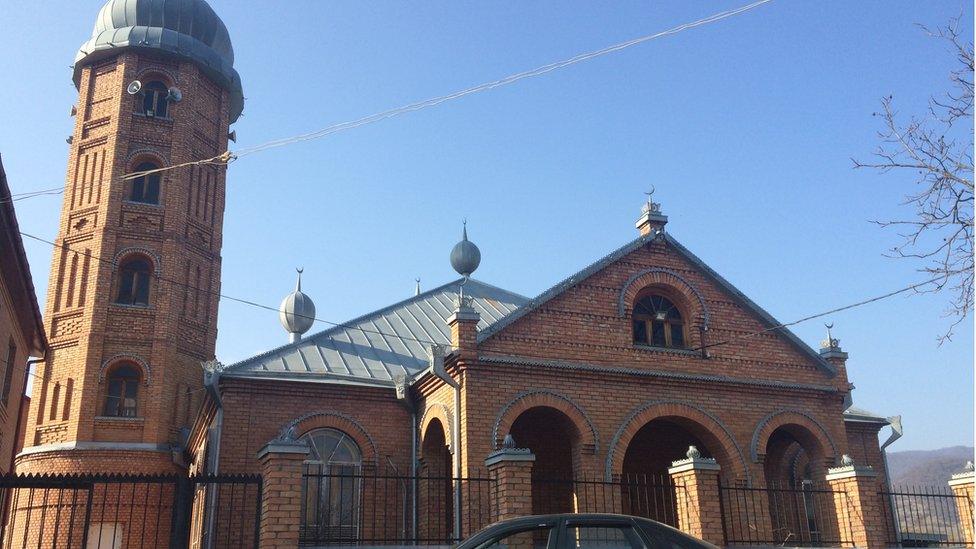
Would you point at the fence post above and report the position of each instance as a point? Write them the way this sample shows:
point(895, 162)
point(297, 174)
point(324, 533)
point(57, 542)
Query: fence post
point(511, 470)
point(281, 494)
point(182, 509)
point(697, 495)
point(857, 501)
point(963, 485)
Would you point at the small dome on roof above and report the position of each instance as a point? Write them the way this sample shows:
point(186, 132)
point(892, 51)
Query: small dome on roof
point(465, 257)
point(186, 29)
point(297, 312)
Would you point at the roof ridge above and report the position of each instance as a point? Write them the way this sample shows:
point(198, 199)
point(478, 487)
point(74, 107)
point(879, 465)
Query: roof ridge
point(353, 323)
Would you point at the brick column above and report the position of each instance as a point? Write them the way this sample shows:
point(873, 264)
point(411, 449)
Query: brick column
point(464, 328)
point(860, 513)
point(511, 471)
point(281, 494)
point(697, 496)
point(963, 484)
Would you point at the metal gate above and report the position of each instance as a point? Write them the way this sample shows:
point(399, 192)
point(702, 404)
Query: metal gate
point(925, 516)
point(130, 511)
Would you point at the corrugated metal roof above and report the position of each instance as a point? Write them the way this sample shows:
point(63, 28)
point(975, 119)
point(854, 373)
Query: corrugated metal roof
point(376, 347)
point(853, 413)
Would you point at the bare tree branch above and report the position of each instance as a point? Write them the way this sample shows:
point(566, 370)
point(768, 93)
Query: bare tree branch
point(939, 148)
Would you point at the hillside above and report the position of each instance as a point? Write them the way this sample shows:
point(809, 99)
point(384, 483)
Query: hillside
point(927, 467)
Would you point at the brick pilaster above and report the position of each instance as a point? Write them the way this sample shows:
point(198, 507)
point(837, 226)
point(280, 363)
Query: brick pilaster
point(511, 470)
point(963, 485)
point(697, 495)
point(860, 513)
point(464, 328)
point(281, 495)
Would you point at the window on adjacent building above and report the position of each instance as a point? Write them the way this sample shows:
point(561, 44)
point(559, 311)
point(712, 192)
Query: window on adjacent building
point(134, 282)
point(658, 323)
point(155, 100)
point(331, 492)
point(145, 188)
point(8, 371)
point(122, 397)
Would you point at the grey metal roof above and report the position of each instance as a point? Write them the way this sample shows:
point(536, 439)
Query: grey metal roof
point(376, 347)
point(853, 413)
point(613, 256)
point(187, 29)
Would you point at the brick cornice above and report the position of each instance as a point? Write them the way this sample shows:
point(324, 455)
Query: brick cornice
point(635, 372)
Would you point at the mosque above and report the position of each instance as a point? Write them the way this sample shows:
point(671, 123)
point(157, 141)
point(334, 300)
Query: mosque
point(618, 369)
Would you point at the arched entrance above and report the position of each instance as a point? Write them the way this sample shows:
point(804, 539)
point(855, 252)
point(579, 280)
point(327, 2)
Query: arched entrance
point(646, 489)
point(435, 486)
point(794, 471)
point(555, 440)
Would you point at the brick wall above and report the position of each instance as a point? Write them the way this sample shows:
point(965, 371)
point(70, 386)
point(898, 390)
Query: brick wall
point(181, 237)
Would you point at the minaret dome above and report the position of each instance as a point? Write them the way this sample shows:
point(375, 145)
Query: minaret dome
point(297, 312)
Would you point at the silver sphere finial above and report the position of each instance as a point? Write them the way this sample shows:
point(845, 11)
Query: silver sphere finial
point(846, 460)
point(693, 452)
point(297, 311)
point(465, 257)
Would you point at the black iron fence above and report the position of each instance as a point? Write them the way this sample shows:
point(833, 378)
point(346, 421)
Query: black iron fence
point(129, 511)
point(345, 505)
point(651, 496)
point(924, 516)
point(803, 515)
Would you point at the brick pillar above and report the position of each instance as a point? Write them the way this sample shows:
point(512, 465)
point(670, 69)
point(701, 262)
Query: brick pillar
point(281, 495)
point(963, 485)
point(697, 495)
point(511, 471)
point(464, 328)
point(860, 512)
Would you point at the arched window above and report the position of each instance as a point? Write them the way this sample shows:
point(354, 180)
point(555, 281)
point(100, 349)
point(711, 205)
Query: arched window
point(134, 282)
point(122, 398)
point(331, 491)
point(155, 99)
point(145, 188)
point(657, 322)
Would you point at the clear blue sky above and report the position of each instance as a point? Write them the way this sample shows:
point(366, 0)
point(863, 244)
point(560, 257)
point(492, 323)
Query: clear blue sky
point(746, 127)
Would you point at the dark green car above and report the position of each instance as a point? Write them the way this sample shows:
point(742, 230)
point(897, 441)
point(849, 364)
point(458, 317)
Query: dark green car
point(582, 531)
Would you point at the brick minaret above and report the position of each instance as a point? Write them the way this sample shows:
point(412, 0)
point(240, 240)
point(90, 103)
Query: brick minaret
point(131, 306)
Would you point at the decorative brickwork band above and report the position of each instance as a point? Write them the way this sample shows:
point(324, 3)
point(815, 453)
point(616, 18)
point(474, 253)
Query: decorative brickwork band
point(963, 485)
point(511, 469)
point(281, 497)
point(860, 513)
point(697, 495)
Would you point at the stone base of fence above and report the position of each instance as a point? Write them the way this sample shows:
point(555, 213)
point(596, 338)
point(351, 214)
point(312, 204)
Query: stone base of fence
point(281, 496)
point(860, 514)
point(699, 506)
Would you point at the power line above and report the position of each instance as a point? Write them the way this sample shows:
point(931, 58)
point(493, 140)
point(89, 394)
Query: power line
point(229, 156)
point(423, 341)
point(825, 313)
point(231, 298)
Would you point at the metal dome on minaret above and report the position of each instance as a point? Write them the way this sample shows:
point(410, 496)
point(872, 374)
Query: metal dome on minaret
point(465, 257)
point(177, 29)
point(297, 312)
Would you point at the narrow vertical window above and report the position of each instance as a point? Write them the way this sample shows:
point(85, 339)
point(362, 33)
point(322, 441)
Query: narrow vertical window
point(155, 99)
point(134, 283)
point(145, 188)
point(122, 397)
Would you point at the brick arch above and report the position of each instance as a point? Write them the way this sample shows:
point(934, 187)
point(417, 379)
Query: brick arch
point(335, 420)
point(140, 362)
point(149, 254)
point(543, 398)
point(716, 433)
point(442, 413)
point(144, 154)
point(669, 279)
point(148, 74)
point(781, 418)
